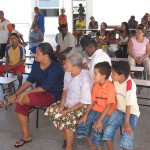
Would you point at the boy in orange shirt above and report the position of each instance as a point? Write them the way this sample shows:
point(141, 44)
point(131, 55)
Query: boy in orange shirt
point(99, 111)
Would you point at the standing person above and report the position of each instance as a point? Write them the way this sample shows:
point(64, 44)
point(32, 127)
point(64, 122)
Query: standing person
point(97, 55)
point(66, 43)
point(139, 50)
point(15, 59)
point(48, 75)
point(62, 19)
point(76, 95)
point(5, 31)
point(39, 20)
point(98, 113)
point(81, 10)
point(132, 24)
point(35, 38)
point(124, 37)
point(127, 112)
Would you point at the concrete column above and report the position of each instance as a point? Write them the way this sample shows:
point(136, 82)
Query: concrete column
point(89, 11)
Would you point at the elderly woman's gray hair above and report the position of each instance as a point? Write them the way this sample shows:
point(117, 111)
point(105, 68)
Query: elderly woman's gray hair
point(75, 59)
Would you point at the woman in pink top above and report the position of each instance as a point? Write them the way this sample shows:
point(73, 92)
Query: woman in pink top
point(139, 50)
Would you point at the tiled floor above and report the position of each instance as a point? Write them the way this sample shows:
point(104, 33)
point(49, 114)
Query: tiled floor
point(47, 137)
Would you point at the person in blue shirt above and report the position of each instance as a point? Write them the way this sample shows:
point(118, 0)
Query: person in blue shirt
point(39, 20)
point(48, 75)
point(35, 38)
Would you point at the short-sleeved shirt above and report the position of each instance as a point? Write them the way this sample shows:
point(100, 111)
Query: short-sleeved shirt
point(62, 19)
point(78, 88)
point(68, 41)
point(126, 96)
point(15, 55)
point(50, 79)
point(80, 24)
point(139, 49)
point(5, 28)
point(98, 56)
point(98, 33)
point(103, 96)
point(36, 36)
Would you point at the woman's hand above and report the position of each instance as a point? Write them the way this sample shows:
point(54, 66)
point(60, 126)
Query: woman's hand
point(64, 113)
point(60, 110)
point(82, 119)
point(19, 98)
point(12, 99)
point(98, 126)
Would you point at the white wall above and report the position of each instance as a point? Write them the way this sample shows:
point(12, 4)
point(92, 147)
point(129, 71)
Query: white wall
point(113, 12)
point(19, 12)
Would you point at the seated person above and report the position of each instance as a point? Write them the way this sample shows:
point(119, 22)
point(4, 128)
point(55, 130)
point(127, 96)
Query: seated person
point(48, 75)
point(76, 94)
point(112, 45)
point(35, 38)
point(127, 113)
point(66, 43)
point(80, 23)
point(93, 25)
point(15, 59)
point(102, 40)
point(98, 113)
point(139, 50)
point(21, 40)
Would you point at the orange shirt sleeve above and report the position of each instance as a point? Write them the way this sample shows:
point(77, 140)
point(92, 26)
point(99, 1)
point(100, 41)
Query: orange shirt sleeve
point(9, 27)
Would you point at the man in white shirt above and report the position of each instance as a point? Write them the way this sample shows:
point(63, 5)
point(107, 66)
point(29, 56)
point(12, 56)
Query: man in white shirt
point(97, 55)
point(66, 42)
point(5, 30)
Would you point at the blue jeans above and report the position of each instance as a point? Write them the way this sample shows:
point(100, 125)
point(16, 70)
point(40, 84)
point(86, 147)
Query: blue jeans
point(116, 120)
point(84, 130)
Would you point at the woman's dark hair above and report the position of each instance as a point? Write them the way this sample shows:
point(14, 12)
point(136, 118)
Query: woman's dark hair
point(140, 28)
point(104, 68)
point(127, 28)
point(121, 67)
point(46, 48)
point(15, 34)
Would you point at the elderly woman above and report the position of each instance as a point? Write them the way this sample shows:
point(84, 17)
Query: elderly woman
point(48, 75)
point(76, 95)
point(139, 50)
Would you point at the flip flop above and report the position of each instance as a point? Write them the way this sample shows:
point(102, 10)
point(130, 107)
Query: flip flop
point(22, 142)
point(4, 103)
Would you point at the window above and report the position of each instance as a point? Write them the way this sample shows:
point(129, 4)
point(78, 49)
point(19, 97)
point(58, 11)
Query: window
point(49, 8)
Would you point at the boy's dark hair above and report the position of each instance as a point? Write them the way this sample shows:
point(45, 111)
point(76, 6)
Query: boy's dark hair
point(121, 67)
point(15, 34)
point(104, 68)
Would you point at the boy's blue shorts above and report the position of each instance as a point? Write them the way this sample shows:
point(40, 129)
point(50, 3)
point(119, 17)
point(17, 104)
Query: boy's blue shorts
point(116, 120)
point(84, 130)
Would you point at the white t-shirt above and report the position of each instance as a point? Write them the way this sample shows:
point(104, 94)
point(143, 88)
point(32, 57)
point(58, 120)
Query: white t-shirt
point(126, 95)
point(68, 41)
point(4, 31)
point(78, 88)
point(98, 56)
